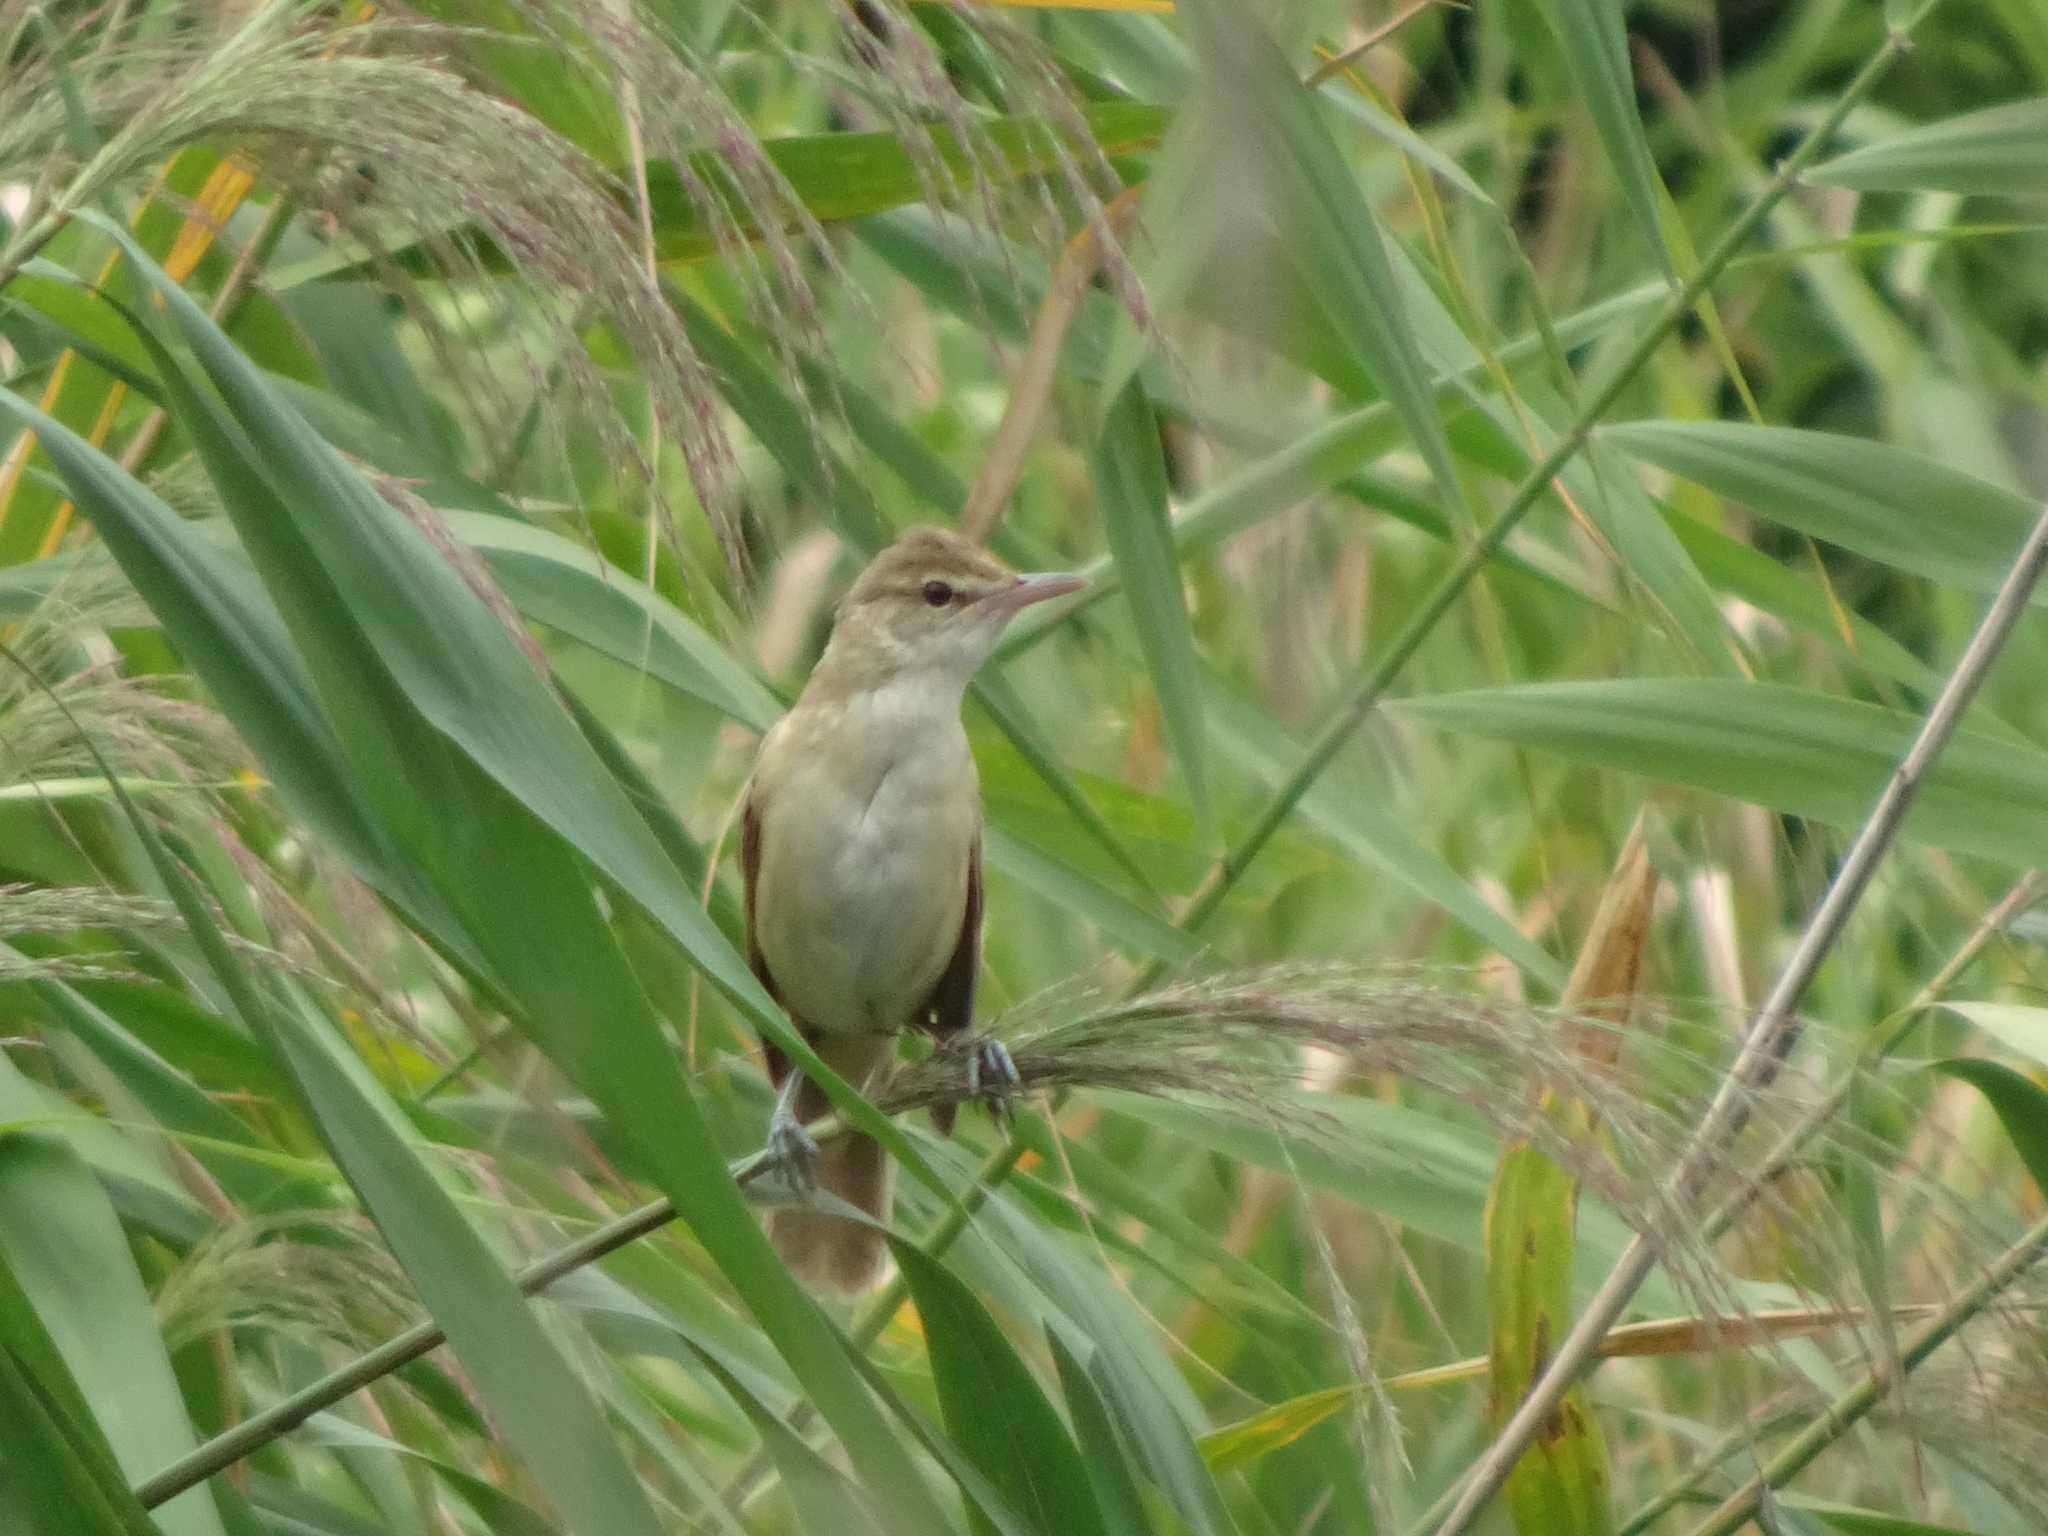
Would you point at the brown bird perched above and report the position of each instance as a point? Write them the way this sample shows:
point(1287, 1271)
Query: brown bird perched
point(860, 843)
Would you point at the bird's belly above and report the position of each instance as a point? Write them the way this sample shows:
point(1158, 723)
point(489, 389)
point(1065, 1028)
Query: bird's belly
point(860, 905)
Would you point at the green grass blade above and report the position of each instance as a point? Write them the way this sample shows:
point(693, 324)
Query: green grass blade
point(1103, 1451)
point(995, 1410)
point(2019, 1103)
point(1379, 838)
point(1318, 202)
point(1593, 38)
point(1130, 490)
point(537, 1400)
point(1851, 1521)
point(54, 1486)
point(228, 632)
point(2016, 1026)
point(1786, 748)
point(1898, 507)
point(440, 707)
point(821, 1497)
point(173, 1099)
point(1559, 1487)
point(557, 582)
point(91, 1398)
point(1995, 152)
point(1734, 567)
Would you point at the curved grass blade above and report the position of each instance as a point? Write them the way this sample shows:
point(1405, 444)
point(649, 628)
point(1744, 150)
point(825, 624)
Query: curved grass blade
point(88, 1375)
point(1317, 199)
point(1901, 508)
point(1102, 1449)
point(535, 1397)
point(1995, 152)
point(444, 708)
point(1851, 1521)
point(173, 1099)
point(1786, 748)
point(821, 1497)
point(1593, 38)
point(995, 1410)
point(58, 1482)
point(557, 582)
point(1769, 585)
point(2021, 1107)
point(1130, 492)
point(227, 631)
point(1378, 838)
point(2015, 1026)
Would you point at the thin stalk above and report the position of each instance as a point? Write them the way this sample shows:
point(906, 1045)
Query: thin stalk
point(1767, 1420)
point(1771, 1034)
point(1880, 1045)
point(1846, 1411)
point(1337, 63)
point(1795, 1139)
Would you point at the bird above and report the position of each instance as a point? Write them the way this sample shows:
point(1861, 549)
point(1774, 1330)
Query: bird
point(860, 851)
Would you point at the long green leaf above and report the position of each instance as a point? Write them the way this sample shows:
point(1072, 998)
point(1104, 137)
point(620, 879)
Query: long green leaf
point(51, 1484)
point(2016, 1026)
point(995, 1410)
point(1130, 490)
point(1318, 203)
point(822, 1498)
point(1559, 1487)
point(1102, 1448)
point(554, 581)
point(228, 632)
point(2021, 1107)
point(70, 1260)
point(1852, 1521)
point(442, 708)
point(1786, 748)
point(173, 1099)
point(541, 1404)
point(1999, 151)
point(59, 1472)
point(1879, 501)
point(1594, 41)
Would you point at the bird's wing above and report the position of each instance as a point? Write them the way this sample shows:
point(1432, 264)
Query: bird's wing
point(750, 875)
point(950, 1009)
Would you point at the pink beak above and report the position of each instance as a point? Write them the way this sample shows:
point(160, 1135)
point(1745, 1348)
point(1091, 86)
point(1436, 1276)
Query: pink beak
point(1034, 588)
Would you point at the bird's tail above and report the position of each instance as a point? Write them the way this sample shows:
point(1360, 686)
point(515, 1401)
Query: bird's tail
point(836, 1253)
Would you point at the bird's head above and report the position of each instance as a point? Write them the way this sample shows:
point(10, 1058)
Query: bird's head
point(933, 603)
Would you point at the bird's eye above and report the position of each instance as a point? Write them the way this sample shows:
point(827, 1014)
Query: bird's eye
point(937, 593)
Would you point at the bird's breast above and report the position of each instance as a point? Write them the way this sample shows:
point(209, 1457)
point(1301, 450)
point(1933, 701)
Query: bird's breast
point(868, 821)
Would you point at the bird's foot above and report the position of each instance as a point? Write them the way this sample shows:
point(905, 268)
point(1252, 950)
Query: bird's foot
point(795, 1151)
point(992, 1077)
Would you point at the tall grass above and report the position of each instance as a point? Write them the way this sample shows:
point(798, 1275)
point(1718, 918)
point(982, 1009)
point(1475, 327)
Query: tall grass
point(1509, 895)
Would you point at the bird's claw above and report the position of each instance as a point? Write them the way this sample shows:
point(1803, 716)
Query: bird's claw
point(795, 1152)
point(992, 1077)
